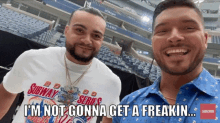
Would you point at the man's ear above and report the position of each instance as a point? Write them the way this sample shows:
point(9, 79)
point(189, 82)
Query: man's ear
point(152, 41)
point(66, 30)
point(206, 39)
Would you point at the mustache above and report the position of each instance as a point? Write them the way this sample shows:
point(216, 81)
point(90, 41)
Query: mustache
point(84, 45)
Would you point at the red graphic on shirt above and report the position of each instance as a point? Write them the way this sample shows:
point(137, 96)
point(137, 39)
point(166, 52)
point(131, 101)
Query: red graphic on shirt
point(56, 86)
point(86, 100)
point(85, 91)
point(42, 91)
point(44, 119)
point(39, 92)
point(47, 83)
point(93, 94)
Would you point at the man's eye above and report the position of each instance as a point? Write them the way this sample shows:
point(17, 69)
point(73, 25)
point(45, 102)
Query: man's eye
point(79, 30)
point(96, 36)
point(161, 31)
point(190, 28)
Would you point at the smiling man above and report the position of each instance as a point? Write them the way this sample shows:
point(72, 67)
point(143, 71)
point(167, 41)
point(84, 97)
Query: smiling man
point(179, 44)
point(64, 76)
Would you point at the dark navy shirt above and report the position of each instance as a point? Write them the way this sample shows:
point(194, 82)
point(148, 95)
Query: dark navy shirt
point(205, 89)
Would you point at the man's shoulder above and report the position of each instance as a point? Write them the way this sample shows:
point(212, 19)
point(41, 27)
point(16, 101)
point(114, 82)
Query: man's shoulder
point(106, 73)
point(103, 68)
point(45, 51)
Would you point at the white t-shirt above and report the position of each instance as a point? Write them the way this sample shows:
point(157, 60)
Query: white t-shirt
point(41, 75)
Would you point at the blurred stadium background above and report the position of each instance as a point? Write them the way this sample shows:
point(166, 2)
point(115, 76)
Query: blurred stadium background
point(127, 44)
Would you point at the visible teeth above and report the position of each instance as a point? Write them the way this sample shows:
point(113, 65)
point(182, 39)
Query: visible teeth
point(176, 51)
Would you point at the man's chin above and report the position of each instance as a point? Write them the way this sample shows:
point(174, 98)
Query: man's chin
point(178, 71)
point(83, 58)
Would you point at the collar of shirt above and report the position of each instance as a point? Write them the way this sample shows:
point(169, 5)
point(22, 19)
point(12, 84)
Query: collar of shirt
point(205, 82)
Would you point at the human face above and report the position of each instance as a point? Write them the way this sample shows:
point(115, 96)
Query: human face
point(179, 41)
point(84, 36)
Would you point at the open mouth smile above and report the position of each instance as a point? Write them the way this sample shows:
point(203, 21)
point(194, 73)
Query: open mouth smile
point(174, 52)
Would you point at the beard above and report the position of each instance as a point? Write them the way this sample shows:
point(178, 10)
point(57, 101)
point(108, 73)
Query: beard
point(198, 59)
point(72, 50)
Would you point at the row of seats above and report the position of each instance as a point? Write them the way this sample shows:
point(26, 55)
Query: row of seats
point(212, 60)
point(61, 4)
point(128, 7)
point(106, 9)
point(210, 23)
point(109, 58)
point(61, 41)
point(216, 39)
point(128, 64)
point(68, 4)
point(20, 24)
point(141, 68)
point(45, 37)
point(25, 26)
point(128, 33)
point(136, 36)
point(211, 28)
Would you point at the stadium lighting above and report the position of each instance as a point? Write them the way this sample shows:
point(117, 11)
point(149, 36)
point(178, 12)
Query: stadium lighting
point(145, 18)
point(198, 1)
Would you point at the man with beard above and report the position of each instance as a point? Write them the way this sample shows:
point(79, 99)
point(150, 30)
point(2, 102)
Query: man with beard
point(68, 76)
point(179, 43)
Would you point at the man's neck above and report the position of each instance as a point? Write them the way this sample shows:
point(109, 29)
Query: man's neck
point(170, 84)
point(72, 59)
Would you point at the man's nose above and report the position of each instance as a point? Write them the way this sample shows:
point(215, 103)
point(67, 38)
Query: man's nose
point(86, 39)
point(175, 36)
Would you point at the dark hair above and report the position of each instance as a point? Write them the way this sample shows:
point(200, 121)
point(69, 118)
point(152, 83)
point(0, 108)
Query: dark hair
point(175, 3)
point(89, 10)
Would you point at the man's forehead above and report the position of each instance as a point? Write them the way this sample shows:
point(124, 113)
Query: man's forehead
point(177, 14)
point(78, 14)
point(83, 15)
point(88, 21)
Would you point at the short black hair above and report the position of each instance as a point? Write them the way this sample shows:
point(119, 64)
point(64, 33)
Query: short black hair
point(89, 10)
point(174, 3)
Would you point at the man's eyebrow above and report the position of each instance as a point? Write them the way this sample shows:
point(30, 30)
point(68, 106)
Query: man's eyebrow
point(160, 24)
point(96, 31)
point(190, 21)
point(80, 25)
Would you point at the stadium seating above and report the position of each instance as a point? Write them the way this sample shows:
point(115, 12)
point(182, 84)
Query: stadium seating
point(212, 60)
point(122, 16)
point(141, 68)
point(210, 25)
point(63, 5)
point(128, 33)
point(125, 63)
point(45, 37)
point(20, 24)
point(216, 39)
point(36, 30)
point(61, 41)
point(107, 57)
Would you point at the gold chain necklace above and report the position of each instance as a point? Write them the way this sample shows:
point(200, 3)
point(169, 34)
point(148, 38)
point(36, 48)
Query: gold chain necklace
point(170, 98)
point(70, 86)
